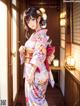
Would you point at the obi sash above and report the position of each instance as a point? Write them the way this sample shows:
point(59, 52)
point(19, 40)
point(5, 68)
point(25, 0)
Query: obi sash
point(28, 55)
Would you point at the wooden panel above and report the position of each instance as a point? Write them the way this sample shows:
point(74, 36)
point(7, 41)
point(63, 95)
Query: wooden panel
point(72, 90)
point(68, 32)
point(10, 81)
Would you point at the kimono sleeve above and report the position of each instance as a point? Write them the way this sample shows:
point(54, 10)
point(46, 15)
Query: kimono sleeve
point(22, 55)
point(39, 54)
point(22, 58)
point(51, 79)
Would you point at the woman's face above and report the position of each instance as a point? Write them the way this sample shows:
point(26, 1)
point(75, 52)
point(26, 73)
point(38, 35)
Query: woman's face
point(32, 23)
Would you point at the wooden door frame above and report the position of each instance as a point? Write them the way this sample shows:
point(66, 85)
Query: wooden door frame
point(17, 33)
point(9, 55)
point(10, 75)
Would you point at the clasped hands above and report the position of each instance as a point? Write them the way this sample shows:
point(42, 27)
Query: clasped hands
point(22, 50)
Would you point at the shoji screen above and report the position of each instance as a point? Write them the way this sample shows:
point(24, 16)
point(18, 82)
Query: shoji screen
point(76, 23)
point(3, 55)
point(76, 34)
point(62, 28)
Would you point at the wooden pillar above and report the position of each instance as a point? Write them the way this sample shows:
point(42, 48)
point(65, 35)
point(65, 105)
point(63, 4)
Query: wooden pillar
point(68, 32)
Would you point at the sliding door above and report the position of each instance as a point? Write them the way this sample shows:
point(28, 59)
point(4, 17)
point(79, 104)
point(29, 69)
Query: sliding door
point(3, 55)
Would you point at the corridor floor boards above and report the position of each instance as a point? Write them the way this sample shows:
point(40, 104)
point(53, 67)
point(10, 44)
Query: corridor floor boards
point(53, 96)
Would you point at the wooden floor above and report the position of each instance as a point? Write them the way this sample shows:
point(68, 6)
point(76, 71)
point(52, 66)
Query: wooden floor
point(53, 96)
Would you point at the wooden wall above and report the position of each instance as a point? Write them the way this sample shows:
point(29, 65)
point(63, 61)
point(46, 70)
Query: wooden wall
point(72, 88)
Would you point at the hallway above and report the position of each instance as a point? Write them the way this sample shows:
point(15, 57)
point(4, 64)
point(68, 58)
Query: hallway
point(53, 96)
point(63, 25)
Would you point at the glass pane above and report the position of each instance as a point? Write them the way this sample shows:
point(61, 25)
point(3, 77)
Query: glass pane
point(3, 53)
point(14, 52)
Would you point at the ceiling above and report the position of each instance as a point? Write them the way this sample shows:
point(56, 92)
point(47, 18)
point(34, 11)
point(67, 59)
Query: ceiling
point(49, 3)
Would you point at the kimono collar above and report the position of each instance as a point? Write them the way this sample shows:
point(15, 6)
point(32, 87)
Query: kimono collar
point(42, 31)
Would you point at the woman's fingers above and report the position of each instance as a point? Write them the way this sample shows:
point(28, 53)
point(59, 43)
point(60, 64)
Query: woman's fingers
point(22, 50)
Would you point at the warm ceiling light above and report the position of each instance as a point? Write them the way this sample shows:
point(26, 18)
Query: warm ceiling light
point(42, 10)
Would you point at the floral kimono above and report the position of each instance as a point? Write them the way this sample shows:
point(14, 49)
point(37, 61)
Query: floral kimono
point(35, 93)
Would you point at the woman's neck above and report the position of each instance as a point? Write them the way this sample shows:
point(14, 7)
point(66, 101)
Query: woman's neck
point(38, 28)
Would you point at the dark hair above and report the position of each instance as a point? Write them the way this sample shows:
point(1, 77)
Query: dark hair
point(33, 12)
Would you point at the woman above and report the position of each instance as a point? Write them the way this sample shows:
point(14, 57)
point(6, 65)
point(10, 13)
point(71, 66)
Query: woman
point(33, 55)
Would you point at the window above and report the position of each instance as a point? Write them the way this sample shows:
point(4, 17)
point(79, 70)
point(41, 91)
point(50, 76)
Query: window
point(76, 23)
point(3, 53)
point(62, 28)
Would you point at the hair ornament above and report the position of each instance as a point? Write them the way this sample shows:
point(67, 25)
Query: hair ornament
point(42, 10)
point(44, 15)
point(39, 12)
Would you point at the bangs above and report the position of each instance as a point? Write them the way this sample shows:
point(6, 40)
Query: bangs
point(28, 17)
point(30, 14)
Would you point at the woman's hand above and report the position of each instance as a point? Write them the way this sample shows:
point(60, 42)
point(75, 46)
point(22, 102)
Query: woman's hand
point(22, 50)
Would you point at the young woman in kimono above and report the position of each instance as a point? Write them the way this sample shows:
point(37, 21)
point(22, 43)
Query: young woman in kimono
point(34, 54)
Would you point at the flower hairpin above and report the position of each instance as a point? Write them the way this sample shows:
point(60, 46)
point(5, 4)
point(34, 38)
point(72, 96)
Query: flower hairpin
point(43, 13)
point(38, 12)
